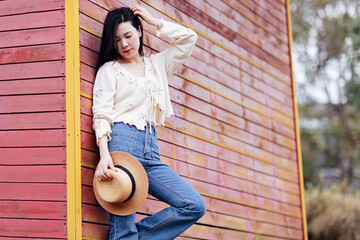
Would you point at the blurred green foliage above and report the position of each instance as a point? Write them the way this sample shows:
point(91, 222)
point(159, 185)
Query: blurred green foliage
point(333, 213)
point(326, 40)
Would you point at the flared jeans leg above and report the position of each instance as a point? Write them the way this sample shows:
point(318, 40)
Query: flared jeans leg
point(186, 204)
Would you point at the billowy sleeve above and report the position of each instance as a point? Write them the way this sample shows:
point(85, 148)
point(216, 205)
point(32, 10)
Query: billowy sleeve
point(184, 40)
point(103, 102)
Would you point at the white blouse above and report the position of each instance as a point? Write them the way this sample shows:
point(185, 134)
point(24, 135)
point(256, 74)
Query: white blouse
point(118, 96)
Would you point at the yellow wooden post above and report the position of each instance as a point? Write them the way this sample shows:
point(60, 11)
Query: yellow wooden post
point(73, 143)
point(298, 145)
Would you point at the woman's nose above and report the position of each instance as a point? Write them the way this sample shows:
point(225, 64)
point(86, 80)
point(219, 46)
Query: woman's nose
point(124, 43)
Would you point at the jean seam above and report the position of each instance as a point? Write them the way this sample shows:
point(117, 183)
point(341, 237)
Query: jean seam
point(162, 224)
point(153, 142)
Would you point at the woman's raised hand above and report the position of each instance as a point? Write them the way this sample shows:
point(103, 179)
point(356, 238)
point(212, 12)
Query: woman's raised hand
point(145, 15)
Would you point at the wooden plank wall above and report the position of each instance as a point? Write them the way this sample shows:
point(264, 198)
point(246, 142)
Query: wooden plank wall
point(32, 120)
point(233, 133)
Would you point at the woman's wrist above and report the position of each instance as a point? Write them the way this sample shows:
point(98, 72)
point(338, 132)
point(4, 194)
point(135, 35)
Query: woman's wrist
point(157, 23)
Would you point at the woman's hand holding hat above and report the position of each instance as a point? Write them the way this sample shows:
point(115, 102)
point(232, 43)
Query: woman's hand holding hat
point(102, 172)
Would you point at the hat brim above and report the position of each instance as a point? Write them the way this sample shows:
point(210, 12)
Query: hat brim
point(141, 190)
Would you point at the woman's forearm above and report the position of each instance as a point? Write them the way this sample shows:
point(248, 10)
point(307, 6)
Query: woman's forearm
point(103, 146)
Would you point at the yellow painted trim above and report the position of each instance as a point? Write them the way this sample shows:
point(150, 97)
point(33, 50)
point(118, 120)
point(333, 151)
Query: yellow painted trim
point(88, 165)
point(73, 141)
point(254, 21)
point(297, 129)
point(249, 205)
point(89, 30)
point(216, 42)
point(219, 144)
point(226, 199)
point(228, 98)
point(230, 148)
point(238, 102)
point(86, 95)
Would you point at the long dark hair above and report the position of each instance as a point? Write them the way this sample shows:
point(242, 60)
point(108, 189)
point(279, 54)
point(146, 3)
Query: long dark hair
point(108, 47)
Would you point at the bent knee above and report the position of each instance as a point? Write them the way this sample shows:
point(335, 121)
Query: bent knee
point(198, 207)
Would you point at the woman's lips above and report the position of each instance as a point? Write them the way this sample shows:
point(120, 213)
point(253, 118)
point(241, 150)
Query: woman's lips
point(127, 51)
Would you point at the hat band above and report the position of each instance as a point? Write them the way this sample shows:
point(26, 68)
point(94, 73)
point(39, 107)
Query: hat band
point(131, 178)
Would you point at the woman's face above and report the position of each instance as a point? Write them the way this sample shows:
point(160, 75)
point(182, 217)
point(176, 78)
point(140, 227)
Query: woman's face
point(127, 40)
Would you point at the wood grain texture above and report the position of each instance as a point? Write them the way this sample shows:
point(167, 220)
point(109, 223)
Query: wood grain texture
point(33, 210)
point(33, 187)
point(32, 20)
point(25, 6)
point(33, 228)
point(32, 37)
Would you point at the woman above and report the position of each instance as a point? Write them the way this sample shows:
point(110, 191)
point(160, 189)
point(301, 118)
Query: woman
point(131, 98)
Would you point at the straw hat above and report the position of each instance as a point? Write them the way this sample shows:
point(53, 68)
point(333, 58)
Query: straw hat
point(128, 189)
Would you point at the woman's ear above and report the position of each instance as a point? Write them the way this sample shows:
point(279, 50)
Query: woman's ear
point(139, 32)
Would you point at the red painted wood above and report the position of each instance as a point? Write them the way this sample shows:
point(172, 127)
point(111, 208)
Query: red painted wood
point(90, 23)
point(233, 32)
point(208, 162)
point(88, 57)
point(95, 231)
point(33, 53)
point(32, 70)
point(35, 174)
point(85, 106)
point(33, 191)
point(32, 37)
point(218, 191)
point(88, 142)
point(17, 238)
point(33, 20)
point(220, 172)
point(87, 195)
point(261, 144)
point(33, 210)
point(33, 156)
point(94, 214)
point(32, 103)
point(225, 154)
point(89, 157)
point(32, 86)
point(87, 73)
point(25, 6)
point(216, 178)
point(33, 138)
point(33, 228)
point(32, 121)
point(89, 41)
point(86, 124)
point(223, 167)
point(254, 137)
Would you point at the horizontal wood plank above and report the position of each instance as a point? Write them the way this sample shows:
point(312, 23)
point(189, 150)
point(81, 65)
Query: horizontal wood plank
point(32, 121)
point(33, 156)
point(41, 173)
point(25, 6)
point(33, 210)
point(33, 228)
point(32, 86)
point(33, 138)
point(33, 191)
point(32, 37)
point(32, 103)
point(32, 20)
point(32, 70)
point(32, 54)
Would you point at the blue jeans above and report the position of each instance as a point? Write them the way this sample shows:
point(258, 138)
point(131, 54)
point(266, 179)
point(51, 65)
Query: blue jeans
point(186, 205)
